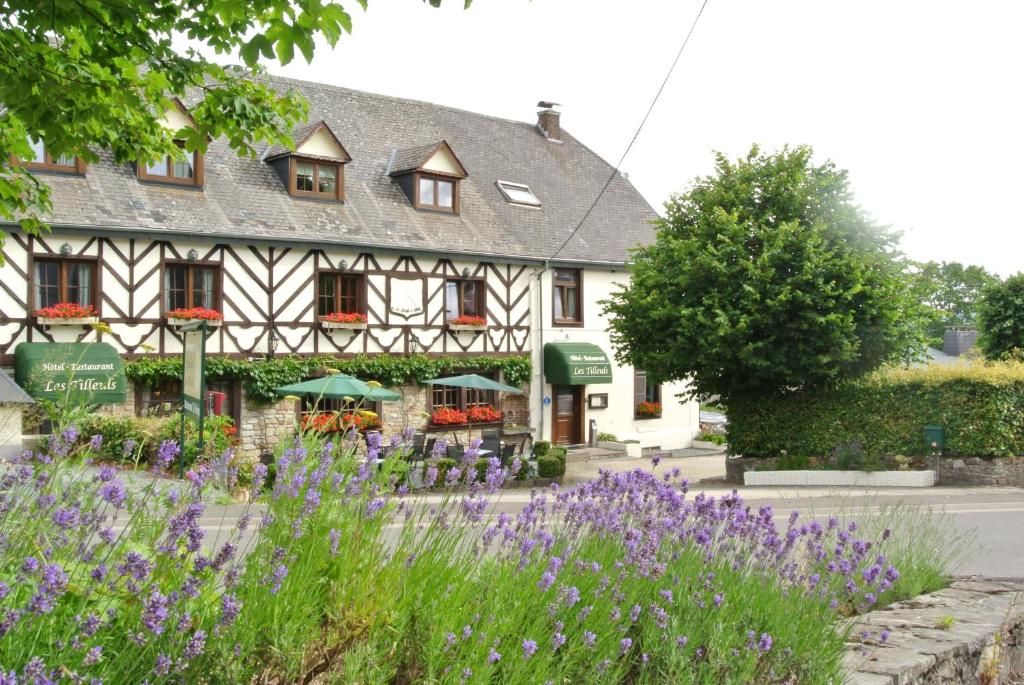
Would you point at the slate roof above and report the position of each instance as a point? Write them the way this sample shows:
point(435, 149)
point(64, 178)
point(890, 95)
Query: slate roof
point(11, 392)
point(244, 199)
point(412, 158)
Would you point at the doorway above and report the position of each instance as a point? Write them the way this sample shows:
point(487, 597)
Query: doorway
point(567, 415)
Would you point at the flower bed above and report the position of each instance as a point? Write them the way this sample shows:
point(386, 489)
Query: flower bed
point(66, 314)
point(473, 415)
point(628, 576)
point(333, 422)
point(183, 316)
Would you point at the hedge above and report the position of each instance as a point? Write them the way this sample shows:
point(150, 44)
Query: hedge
point(980, 406)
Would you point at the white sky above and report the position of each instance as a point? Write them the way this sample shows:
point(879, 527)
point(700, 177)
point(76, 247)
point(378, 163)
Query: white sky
point(920, 100)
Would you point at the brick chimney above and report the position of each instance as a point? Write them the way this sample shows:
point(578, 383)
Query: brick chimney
point(548, 121)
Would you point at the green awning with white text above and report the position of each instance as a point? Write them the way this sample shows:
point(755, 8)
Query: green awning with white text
point(575, 363)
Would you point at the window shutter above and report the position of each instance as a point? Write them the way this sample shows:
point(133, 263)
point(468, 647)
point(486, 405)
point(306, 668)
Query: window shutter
point(639, 387)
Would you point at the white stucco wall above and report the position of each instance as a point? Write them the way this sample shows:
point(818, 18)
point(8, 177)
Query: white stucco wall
point(321, 144)
point(10, 430)
point(678, 424)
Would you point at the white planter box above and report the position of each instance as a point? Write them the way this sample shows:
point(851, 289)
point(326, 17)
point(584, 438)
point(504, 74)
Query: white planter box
point(458, 327)
point(337, 325)
point(80, 321)
point(634, 449)
point(863, 479)
point(185, 322)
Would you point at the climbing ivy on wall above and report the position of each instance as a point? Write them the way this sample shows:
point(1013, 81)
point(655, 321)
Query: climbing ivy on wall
point(262, 376)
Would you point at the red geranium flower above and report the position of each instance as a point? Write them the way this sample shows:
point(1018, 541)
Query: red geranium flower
point(195, 313)
point(66, 310)
point(345, 317)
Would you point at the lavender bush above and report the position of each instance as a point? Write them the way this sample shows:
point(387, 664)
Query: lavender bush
point(338, 574)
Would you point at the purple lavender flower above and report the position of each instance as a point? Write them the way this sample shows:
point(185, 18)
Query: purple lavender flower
point(589, 638)
point(154, 613)
point(557, 640)
point(114, 493)
point(163, 665)
point(765, 643)
point(529, 648)
point(95, 443)
point(93, 656)
point(493, 656)
point(230, 607)
point(335, 538)
point(624, 645)
point(195, 645)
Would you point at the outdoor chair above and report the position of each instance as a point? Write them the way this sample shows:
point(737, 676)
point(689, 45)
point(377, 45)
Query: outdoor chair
point(491, 444)
point(456, 452)
point(490, 435)
point(428, 449)
point(418, 441)
point(508, 451)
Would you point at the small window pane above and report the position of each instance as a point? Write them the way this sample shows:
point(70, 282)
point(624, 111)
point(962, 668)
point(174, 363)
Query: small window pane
point(350, 295)
point(157, 168)
point(183, 167)
point(519, 193)
point(451, 300)
point(47, 284)
point(328, 179)
point(175, 285)
point(80, 283)
point(427, 191)
point(202, 294)
point(445, 196)
point(559, 312)
point(38, 152)
point(326, 303)
point(470, 298)
point(565, 276)
point(571, 304)
point(64, 160)
point(304, 177)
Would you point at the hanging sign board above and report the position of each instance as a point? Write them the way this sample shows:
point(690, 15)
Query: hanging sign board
point(193, 381)
point(73, 373)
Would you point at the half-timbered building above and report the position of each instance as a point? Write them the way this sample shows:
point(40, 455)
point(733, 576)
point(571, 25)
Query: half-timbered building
point(394, 227)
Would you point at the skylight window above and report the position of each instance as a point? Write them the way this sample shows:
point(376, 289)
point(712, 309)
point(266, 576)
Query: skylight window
point(518, 194)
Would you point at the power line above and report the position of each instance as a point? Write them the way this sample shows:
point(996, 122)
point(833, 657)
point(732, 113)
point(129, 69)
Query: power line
point(635, 135)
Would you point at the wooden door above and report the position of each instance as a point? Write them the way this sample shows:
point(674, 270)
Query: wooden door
point(567, 414)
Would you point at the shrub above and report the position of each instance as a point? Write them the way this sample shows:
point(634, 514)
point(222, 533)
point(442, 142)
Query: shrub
point(549, 467)
point(443, 466)
point(541, 447)
point(981, 407)
point(607, 437)
point(715, 438)
point(524, 470)
point(1001, 318)
point(127, 440)
point(219, 433)
point(481, 466)
point(559, 453)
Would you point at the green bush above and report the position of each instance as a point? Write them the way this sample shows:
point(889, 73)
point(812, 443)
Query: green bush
point(541, 447)
point(981, 407)
point(218, 435)
point(716, 438)
point(482, 464)
point(607, 437)
point(443, 466)
point(524, 470)
point(127, 440)
point(550, 467)
point(559, 453)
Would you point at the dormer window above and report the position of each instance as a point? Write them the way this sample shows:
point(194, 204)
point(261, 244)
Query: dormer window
point(181, 167)
point(435, 193)
point(518, 193)
point(174, 168)
point(43, 160)
point(429, 175)
point(316, 168)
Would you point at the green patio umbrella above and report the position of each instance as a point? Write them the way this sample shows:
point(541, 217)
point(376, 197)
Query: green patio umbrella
point(471, 380)
point(382, 395)
point(333, 387)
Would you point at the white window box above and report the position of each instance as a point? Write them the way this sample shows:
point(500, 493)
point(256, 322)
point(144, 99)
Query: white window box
point(337, 325)
point(178, 323)
point(461, 327)
point(77, 321)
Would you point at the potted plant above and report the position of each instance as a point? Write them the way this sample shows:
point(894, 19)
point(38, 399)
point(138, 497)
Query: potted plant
point(66, 314)
point(344, 320)
point(648, 410)
point(186, 315)
point(467, 323)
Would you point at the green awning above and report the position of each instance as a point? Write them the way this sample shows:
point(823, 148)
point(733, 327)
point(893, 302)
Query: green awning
point(79, 373)
point(574, 363)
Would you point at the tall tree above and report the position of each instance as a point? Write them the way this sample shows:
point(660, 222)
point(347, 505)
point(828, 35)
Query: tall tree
point(1001, 319)
point(91, 75)
point(765, 277)
point(951, 293)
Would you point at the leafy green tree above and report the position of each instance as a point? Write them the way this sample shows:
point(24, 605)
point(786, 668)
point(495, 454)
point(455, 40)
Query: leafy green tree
point(92, 75)
point(1001, 319)
point(764, 278)
point(950, 292)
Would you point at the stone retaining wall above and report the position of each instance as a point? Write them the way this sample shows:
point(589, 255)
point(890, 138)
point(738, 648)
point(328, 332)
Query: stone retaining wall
point(982, 645)
point(949, 470)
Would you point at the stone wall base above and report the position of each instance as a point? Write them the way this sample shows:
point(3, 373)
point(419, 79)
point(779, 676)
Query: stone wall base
point(983, 645)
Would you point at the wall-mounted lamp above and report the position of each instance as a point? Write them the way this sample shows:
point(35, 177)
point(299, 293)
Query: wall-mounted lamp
point(272, 342)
